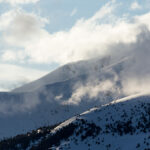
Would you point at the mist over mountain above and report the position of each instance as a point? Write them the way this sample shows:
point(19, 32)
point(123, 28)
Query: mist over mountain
point(75, 88)
point(51, 99)
point(71, 90)
point(97, 94)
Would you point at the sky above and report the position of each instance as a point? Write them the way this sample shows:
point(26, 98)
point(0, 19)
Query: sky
point(37, 36)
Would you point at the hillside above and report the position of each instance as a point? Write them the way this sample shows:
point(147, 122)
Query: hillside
point(107, 127)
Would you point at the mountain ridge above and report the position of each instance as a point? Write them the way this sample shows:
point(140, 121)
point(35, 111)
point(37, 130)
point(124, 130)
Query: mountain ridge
point(105, 127)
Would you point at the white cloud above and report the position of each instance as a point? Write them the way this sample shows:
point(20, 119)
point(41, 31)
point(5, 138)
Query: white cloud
point(19, 28)
point(135, 5)
point(87, 38)
point(74, 11)
point(104, 11)
point(94, 89)
point(3, 89)
point(12, 2)
point(13, 56)
point(9, 56)
point(18, 73)
point(13, 75)
point(25, 30)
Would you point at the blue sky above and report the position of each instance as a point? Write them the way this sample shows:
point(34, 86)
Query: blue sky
point(37, 36)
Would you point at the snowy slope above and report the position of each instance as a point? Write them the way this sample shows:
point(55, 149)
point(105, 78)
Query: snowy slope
point(120, 125)
point(66, 72)
point(123, 124)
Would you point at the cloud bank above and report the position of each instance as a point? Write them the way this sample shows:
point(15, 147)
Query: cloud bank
point(18, 103)
point(129, 75)
point(88, 38)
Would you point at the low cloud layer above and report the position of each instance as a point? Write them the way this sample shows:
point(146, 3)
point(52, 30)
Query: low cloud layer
point(18, 103)
point(91, 90)
point(13, 76)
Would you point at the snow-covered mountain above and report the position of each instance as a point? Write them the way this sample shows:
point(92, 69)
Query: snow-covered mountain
point(62, 94)
point(66, 72)
point(34, 114)
point(59, 95)
point(120, 125)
